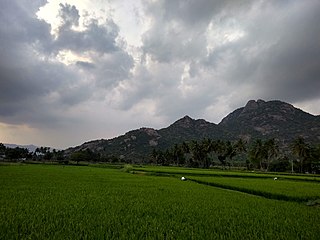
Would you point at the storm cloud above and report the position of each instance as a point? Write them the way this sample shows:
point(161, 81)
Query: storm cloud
point(92, 71)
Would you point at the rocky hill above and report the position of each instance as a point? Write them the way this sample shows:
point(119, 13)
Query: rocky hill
point(187, 129)
point(138, 144)
point(272, 119)
point(258, 119)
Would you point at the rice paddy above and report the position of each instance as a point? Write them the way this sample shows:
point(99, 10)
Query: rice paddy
point(70, 202)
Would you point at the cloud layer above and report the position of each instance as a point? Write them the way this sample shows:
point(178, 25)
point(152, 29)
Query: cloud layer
point(90, 73)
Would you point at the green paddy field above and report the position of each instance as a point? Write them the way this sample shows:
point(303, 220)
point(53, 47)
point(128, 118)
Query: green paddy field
point(40, 201)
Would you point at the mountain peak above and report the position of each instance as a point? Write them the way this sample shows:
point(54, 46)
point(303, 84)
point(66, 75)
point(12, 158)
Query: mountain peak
point(252, 105)
point(271, 119)
point(185, 122)
point(187, 118)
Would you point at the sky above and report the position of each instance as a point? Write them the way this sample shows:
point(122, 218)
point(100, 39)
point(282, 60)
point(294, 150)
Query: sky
point(78, 70)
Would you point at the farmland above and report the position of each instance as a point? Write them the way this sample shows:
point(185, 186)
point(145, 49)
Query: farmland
point(73, 202)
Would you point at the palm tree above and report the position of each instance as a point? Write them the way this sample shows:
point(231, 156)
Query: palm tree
point(300, 149)
point(220, 149)
point(154, 155)
point(198, 154)
point(2, 148)
point(207, 147)
point(257, 153)
point(175, 154)
point(185, 147)
point(230, 151)
point(315, 158)
point(178, 155)
point(271, 151)
point(240, 146)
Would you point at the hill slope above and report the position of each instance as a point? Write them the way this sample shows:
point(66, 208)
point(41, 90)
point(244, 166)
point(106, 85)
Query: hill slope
point(258, 119)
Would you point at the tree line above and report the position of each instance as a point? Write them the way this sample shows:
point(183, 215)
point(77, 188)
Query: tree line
point(49, 154)
point(264, 155)
point(23, 154)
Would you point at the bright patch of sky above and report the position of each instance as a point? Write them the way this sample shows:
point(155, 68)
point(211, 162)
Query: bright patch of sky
point(127, 14)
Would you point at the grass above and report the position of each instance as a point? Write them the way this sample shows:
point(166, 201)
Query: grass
point(281, 189)
point(226, 173)
point(69, 202)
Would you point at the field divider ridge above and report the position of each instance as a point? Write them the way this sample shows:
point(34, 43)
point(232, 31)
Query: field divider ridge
point(256, 176)
point(269, 195)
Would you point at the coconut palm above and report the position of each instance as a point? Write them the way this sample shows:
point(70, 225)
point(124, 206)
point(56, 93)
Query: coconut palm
point(207, 147)
point(240, 146)
point(219, 148)
point(301, 150)
point(257, 153)
point(271, 151)
point(198, 153)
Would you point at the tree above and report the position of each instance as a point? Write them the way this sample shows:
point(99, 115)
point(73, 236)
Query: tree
point(86, 155)
point(43, 153)
point(240, 146)
point(59, 155)
point(166, 158)
point(79, 156)
point(2, 151)
point(161, 158)
point(219, 148)
point(154, 155)
point(271, 151)
point(16, 153)
point(185, 147)
point(257, 154)
point(177, 154)
point(301, 150)
point(315, 159)
point(206, 147)
point(186, 153)
point(197, 154)
point(2, 148)
point(230, 151)
point(261, 153)
point(280, 165)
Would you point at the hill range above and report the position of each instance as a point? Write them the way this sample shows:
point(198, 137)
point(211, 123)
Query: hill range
point(257, 119)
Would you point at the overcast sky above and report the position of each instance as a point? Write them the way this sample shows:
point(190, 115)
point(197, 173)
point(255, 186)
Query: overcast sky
point(78, 70)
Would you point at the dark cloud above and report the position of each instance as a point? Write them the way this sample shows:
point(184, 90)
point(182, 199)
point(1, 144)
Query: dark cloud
point(193, 12)
point(19, 28)
point(112, 69)
point(96, 37)
point(279, 56)
point(19, 80)
point(265, 49)
point(86, 65)
point(293, 64)
point(179, 27)
point(199, 57)
point(35, 88)
point(111, 63)
point(70, 15)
